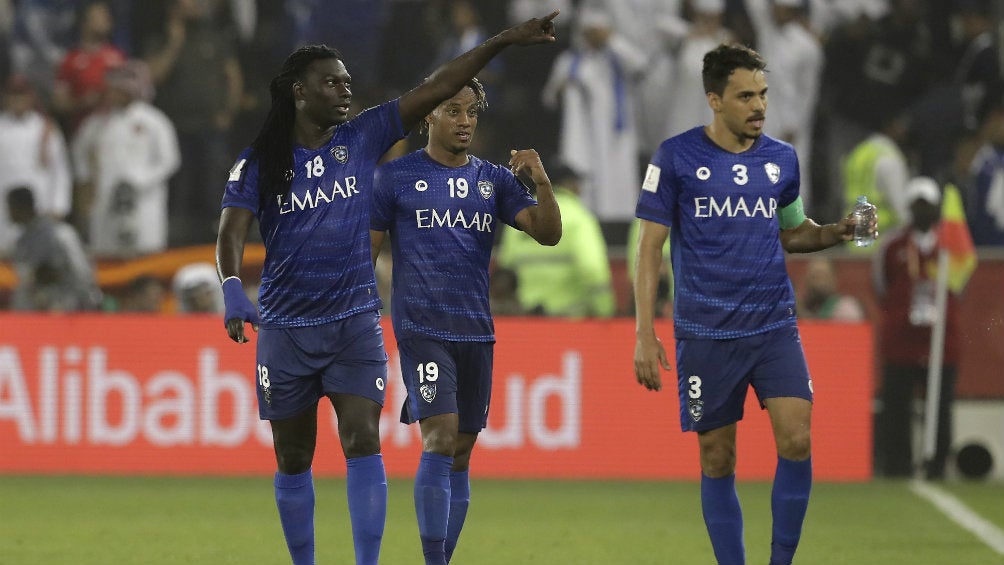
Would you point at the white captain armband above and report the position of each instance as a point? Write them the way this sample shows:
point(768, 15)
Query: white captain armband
point(792, 215)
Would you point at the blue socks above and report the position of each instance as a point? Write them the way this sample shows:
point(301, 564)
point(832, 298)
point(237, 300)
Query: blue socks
point(366, 483)
point(789, 501)
point(294, 497)
point(432, 505)
point(723, 518)
point(460, 499)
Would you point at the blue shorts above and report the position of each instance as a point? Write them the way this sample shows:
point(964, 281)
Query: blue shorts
point(714, 375)
point(297, 366)
point(447, 377)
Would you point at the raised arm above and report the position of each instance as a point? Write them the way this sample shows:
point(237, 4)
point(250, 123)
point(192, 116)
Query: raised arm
point(543, 221)
point(449, 78)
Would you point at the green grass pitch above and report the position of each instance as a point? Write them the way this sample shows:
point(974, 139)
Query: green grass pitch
point(194, 521)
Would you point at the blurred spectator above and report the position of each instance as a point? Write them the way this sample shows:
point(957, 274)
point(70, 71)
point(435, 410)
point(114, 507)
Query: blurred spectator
point(199, 86)
point(594, 82)
point(795, 70)
point(503, 293)
point(688, 103)
point(43, 32)
point(80, 80)
point(196, 288)
point(978, 69)
point(878, 169)
point(904, 274)
point(145, 293)
point(526, 72)
point(651, 29)
point(53, 272)
point(819, 298)
point(572, 278)
point(985, 212)
point(877, 63)
point(124, 157)
point(948, 114)
point(33, 154)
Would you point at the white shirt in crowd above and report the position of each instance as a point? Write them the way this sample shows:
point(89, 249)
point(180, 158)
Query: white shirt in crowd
point(33, 154)
point(127, 155)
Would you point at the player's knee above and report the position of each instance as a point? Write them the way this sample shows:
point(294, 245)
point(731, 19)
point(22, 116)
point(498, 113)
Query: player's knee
point(796, 447)
point(718, 461)
point(359, 439)
point(440, 440)
point(293, 459)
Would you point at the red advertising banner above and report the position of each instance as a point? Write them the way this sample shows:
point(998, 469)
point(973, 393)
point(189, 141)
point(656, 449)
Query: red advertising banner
point(126, 394)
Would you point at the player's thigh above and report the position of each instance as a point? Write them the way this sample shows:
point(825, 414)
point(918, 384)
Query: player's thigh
point(474, 361)
point(712, 379)
point(429, 372)
point(287, 381)
point(356, 357)
point(294, 440)
point(780, 370)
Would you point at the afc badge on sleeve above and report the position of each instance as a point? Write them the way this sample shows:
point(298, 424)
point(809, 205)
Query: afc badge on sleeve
point(651, 182)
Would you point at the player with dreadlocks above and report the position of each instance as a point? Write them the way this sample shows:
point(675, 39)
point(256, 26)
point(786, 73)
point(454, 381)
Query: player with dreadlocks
point(307, 179)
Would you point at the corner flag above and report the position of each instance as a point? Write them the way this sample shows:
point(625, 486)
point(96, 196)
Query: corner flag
point(954, 237)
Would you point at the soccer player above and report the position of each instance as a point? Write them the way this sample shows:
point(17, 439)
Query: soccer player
point(307, 179)
point(729, 195)
point(442, 208)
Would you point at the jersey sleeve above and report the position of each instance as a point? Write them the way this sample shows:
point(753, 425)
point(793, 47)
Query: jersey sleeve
point(382, 206)
point(790, 191)
point(385, 123)
point(657, 201)
point(242, 184)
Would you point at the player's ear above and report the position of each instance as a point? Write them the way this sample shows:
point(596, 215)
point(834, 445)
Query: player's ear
point(714, 101)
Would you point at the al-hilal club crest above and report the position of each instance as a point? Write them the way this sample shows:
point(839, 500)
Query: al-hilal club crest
point(340, 153)
point(486, 188)
point(773, 172)
point(696, 409)
point(428, 392)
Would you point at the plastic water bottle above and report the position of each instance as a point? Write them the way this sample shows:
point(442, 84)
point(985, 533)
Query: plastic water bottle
point(864, 211)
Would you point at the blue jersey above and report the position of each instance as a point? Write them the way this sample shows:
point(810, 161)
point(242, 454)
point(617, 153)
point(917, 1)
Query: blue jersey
point(317, 266)
point(442, 222)
point(729, 272)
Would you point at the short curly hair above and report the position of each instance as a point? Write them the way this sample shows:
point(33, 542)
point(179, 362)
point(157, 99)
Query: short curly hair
point(479, 95)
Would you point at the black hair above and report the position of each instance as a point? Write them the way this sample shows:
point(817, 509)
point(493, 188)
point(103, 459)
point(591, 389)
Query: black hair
point(479, 95)
point(722, 61)
point(273, 147)
point(21, 197)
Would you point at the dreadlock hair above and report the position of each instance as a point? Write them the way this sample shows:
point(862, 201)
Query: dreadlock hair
point(274, 145)
point(722, 61)
point(479, 95)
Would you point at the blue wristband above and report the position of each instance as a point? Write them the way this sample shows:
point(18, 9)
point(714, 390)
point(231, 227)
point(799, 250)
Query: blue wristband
point(237, 303)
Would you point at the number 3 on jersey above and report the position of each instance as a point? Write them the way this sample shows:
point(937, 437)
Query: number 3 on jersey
point(694, 391)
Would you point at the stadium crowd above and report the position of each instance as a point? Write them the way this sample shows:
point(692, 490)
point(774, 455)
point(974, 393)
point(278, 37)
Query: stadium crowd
point(123, 118)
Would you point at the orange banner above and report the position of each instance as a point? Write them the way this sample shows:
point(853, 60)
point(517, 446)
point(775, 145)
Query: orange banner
point(126, 394)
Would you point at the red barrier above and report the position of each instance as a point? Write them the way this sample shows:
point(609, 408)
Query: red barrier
point(172, 395)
